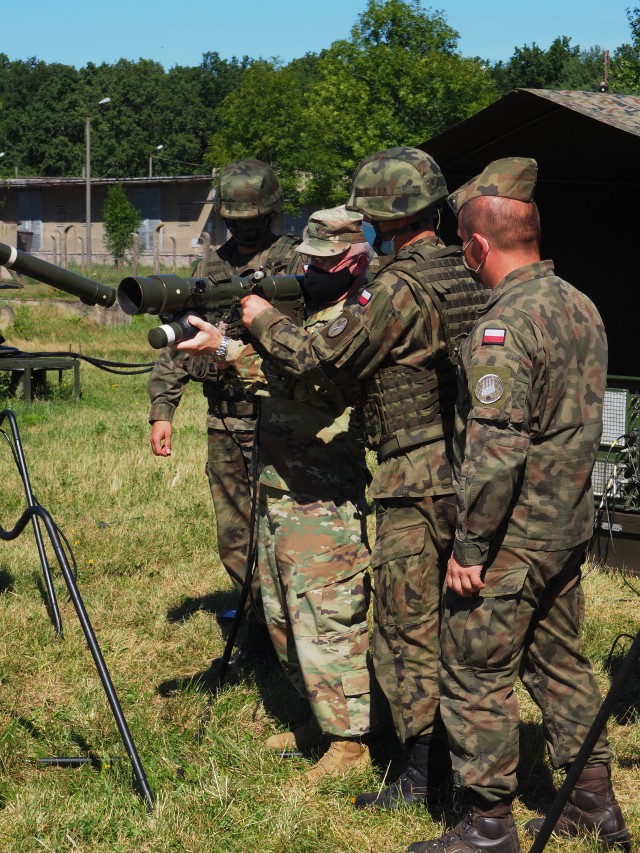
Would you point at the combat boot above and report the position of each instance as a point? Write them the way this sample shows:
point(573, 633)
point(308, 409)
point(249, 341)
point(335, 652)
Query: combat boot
point(592, 808)
point(343, 755)
point(426, 777)
point(491, 828)
point(305, 737)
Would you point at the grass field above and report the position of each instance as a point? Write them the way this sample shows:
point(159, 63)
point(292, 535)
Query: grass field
point(142, 531)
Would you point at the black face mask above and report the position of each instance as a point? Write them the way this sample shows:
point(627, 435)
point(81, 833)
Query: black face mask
point(322, 286)
point(249, 232)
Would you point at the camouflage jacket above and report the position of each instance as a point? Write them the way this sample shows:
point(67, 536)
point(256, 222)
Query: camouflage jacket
point(311, 439)
point(385, 327)
point(173, 370)
point(529, 417)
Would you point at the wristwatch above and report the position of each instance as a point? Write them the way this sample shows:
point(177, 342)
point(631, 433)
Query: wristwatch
point(221, 352)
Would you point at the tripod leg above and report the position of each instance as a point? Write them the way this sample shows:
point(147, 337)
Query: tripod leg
point(586, 749)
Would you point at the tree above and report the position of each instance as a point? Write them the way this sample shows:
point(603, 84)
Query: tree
point(625, 64)
point(562, 66)
point(398, 81)
point(121, 220)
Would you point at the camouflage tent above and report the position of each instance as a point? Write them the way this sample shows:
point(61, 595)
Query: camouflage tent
point(587, 145)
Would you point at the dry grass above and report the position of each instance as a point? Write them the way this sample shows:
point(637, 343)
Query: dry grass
point(142, 532)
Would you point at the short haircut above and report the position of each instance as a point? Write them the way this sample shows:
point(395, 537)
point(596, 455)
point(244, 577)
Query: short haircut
point(363, 249)
point(508, 224)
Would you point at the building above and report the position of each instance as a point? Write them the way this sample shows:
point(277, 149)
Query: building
point(46, 216)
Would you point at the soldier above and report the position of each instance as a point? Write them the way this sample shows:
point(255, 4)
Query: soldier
point(247, 196)
point(312, 557)
point(528, 423)
point(400, 339)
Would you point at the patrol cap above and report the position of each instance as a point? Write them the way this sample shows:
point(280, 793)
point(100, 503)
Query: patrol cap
point(510, 177)
point(332, 232)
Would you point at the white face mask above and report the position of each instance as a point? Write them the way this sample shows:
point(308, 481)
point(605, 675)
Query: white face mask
point(474, 271)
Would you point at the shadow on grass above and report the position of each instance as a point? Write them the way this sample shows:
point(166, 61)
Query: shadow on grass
point(627, 707)
point(216, 602)
point(6, 581)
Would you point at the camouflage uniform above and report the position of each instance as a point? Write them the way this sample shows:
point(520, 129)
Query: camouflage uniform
point(312, 557)
point(230, 416)
point(528, 424)
point(393, 341)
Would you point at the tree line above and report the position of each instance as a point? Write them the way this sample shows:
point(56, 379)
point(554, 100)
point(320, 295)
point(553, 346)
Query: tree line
point(399, 79)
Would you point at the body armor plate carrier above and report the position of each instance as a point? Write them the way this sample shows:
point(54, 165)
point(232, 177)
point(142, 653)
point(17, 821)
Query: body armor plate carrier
point(405, 407)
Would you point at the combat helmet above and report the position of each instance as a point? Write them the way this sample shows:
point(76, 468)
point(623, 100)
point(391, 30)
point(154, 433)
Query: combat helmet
point(247, 188)
point(396, 183)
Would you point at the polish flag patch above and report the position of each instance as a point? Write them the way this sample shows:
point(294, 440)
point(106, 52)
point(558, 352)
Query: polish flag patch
point(364, 297)
point(494, 336)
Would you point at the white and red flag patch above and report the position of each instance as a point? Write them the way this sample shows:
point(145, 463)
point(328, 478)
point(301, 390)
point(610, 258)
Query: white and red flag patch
point(494, 336)
point(364, 297)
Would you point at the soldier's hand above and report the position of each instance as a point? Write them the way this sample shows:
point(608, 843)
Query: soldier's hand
point(465, 580)
point(161, 438)
point(252, 305)
point(206, 341)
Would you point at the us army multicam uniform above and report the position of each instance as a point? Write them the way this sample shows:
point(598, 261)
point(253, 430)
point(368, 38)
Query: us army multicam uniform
point(312, 557)
point(528, 424)
point(393, 340)
point(230, 416)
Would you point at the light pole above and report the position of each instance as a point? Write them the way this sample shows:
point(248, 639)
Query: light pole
point(157, 148)
point(87, 138)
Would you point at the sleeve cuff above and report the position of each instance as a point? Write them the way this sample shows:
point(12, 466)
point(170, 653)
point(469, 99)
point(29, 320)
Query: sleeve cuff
point(161, 412)
point(233, 351)
point(470, 553)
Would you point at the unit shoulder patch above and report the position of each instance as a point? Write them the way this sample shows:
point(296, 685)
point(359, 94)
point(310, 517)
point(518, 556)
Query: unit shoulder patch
point(489, 385)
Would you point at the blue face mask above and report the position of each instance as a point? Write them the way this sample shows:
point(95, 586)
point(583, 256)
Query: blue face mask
point(383, 244)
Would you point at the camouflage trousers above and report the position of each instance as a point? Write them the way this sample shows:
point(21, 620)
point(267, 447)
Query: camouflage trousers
point(526, 621)
point(228, 467)
point(315, 584)
point(413, 542)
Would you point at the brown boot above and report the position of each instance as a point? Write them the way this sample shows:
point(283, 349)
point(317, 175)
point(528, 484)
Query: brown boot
point(592, 808)
point(343, 755)
point(304, 737)
point(491, 828)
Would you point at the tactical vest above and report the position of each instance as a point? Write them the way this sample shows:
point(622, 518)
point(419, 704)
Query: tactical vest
point(405, 408)
point(224, 391)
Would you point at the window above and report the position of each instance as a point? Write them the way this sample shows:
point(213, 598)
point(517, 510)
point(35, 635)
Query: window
point(184, 214)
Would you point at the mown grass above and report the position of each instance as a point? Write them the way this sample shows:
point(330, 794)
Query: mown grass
point(142, 533)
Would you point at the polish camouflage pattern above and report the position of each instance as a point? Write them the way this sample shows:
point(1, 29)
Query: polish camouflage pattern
point(247, 188)
point(528, 453)
point(332, 232)
point(312, 556)
point(413, 543)
point(528, 427)
point(229, 415)
point(395, 183)
point(384, 327)
point(313, 568)
point(510, 177)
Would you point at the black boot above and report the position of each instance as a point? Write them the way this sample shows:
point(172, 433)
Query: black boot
point(426, 777)
point(592, 808)
point(491, 828)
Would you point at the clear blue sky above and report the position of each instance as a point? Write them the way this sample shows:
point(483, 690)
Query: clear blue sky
point(75, 32)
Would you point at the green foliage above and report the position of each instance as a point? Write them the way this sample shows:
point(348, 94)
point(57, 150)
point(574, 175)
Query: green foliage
point(398, 80)
point(625, 64)
point(562, 66)
point(121, 221)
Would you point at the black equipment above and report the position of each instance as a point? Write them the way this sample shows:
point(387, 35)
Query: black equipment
point(174, 298)
point(89, 292)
